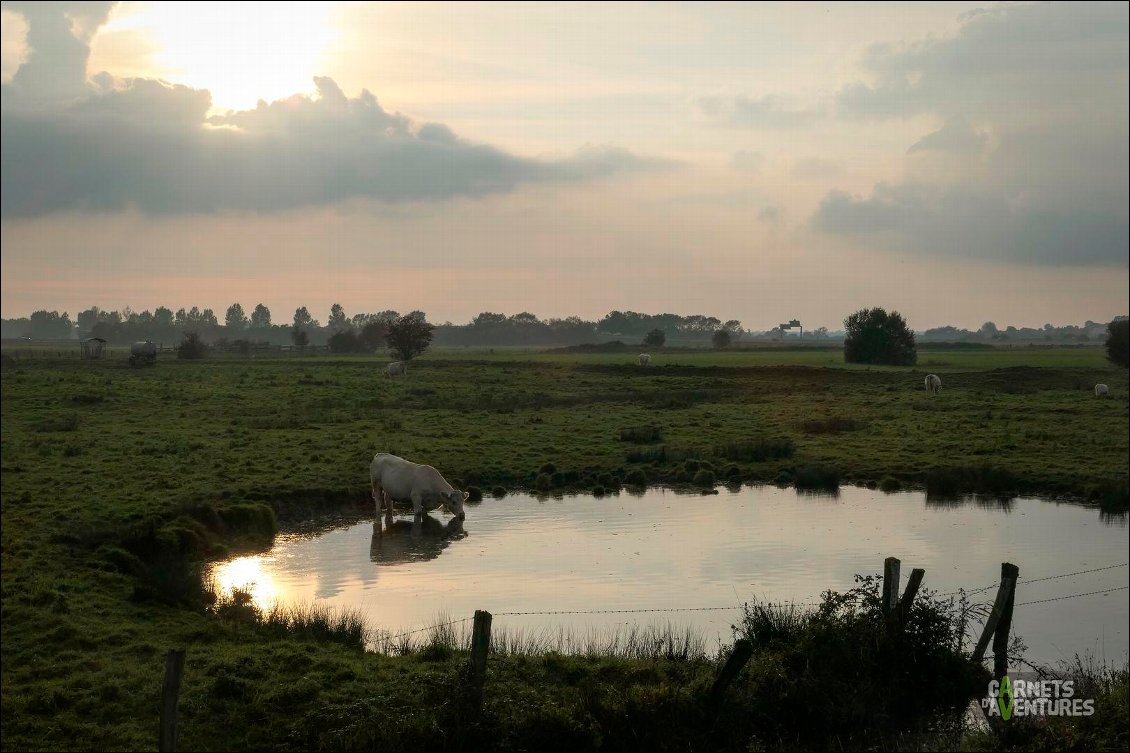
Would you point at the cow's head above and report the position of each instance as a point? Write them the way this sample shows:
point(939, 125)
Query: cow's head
point(453, 501)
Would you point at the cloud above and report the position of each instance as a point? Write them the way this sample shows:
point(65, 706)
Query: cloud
point(110, 144)
point(1030, 163)
point(955, 136)
point(770, 111)
point(977, 224)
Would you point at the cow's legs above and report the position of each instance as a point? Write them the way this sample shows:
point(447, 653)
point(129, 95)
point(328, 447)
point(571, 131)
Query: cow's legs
point(417, 502)
point(378, 494)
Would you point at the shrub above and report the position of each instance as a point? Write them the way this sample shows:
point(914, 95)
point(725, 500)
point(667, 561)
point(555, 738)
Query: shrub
point(704, 478)
point(498, 492)
point(720, 339)
point(890, 484)
point(655, 338)
point(547, 468)
point(636, 477)
point(817, 477)
point(408, 336)
point(543, 482)
point(192, 347)
point(874, 336)
point(474, 494)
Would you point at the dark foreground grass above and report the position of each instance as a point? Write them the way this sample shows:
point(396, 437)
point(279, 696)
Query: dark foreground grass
point(116, 482)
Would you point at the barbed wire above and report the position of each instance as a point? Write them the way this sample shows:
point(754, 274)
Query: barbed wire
point(552, 612)
point(1028, 581)
point(1071, 596)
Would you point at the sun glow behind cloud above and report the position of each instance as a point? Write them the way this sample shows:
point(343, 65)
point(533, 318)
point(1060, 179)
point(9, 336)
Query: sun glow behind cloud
point(237, 51)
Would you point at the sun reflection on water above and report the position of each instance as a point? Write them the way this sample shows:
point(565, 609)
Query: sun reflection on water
point(248, 574)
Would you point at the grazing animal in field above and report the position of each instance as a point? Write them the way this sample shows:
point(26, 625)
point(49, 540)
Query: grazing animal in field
point(1101, 390)
point(933, 384)
point(394, 478)
point(397, 368)
point(645, 359)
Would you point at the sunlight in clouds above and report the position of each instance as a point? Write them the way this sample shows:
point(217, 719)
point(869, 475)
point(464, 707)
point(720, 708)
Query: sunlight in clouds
point(240, 52)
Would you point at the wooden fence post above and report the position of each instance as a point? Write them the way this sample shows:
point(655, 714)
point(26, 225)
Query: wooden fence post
point(1000, 637)
point(174, 667)
point(480, 645)
point(1003, 603)
point(743, 649)
point(890, 585)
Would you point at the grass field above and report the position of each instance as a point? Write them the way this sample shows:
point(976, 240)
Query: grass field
point(111, 474)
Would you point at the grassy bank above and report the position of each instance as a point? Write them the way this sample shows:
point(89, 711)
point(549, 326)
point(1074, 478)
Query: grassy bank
point(115, 479)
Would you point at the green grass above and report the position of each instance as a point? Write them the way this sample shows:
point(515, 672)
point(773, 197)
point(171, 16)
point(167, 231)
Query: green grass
point(115, 480)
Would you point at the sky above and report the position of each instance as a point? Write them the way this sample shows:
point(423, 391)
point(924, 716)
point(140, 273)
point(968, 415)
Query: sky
point(957, 162)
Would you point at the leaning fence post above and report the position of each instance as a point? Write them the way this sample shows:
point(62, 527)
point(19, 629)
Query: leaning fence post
point(890, 585)
point(1003, 602)
point(480, 644)
point(174, 667)
point(907, 600)
point(1000, 637)
point(743, 649)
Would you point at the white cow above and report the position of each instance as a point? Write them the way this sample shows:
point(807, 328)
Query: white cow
point(933, 384)
point(396, 478)
point(645, 359)
point(1101, 390)
point(397, 368)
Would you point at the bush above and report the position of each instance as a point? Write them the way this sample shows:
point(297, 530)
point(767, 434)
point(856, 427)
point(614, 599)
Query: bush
point(890, 484)
point(655, 338)
point(636, 477)
point(344, 342)
point(408, 336)
point(720, 339)
point(817, 477)
point(1118, 342)
point(192, 346)
point(874, 336)
point(843, 650)
point(548, 468)
point(498, 492)
point(704, 478)
point(474, 494)
point(543, 482)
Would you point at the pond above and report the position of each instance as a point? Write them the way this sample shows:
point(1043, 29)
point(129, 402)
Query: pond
point(662, 550)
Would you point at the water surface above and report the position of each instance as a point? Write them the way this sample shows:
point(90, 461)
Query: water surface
point(667, 550)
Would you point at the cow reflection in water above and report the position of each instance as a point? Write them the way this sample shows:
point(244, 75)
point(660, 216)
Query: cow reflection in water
point(419, 539)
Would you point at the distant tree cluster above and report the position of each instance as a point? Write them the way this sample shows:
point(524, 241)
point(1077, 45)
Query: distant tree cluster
point(990, 332)
point(874, 336)
point(1118, 342)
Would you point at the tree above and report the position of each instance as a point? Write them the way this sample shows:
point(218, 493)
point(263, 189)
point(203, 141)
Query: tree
point(302, 319)
point(192, 346)
point(49, 325)
point(235, 320)
point(261, 317)
point(408, 337)
point(163, 317)
point(1118, 342)
point(655, 338)
point(874, 336)
point(344, 341)
point(720, 339)
point(372, 335)
point(338, 321)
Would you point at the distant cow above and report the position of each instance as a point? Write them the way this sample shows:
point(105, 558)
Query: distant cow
point(1101, 390)
point(397, 368)
point(933, 384)
point(645, 359)
point(394, 478)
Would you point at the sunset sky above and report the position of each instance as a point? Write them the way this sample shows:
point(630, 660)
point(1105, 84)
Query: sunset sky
point(959, 162)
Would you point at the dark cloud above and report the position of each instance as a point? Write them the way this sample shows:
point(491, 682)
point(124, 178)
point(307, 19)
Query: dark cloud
point(769, 111)
point(1032, 159)
point(955, 136)
point(983, 225)
point(114, 144)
